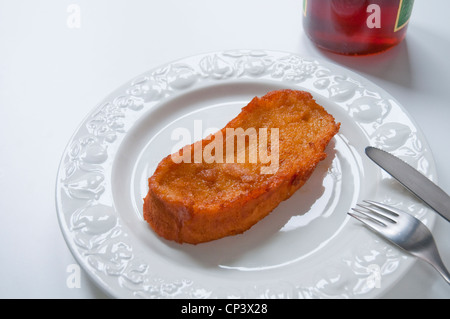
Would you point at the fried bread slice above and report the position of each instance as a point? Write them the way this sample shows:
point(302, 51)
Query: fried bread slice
point(207, 190)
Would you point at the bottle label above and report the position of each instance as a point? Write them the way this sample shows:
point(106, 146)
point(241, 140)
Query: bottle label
point(305, 4)
point(403, 14)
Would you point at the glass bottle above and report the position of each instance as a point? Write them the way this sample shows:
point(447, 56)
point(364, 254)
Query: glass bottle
point(356, 27)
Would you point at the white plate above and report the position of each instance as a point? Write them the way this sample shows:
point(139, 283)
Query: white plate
point(306, 248)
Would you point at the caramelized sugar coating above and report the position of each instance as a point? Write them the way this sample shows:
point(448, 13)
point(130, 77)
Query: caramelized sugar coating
point(199, 199)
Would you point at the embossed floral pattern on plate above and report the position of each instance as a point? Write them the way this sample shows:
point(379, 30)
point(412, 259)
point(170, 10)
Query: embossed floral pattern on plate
point(108, 249)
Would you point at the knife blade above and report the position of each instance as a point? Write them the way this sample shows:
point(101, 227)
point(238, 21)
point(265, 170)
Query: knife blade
point(413, 180)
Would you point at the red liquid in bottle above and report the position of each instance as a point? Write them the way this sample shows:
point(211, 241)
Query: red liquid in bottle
point(356, 27)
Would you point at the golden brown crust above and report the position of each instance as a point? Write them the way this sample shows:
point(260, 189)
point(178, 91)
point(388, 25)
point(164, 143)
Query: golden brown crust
point(199, 202)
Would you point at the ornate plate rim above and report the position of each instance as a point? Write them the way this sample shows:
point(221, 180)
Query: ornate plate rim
point(102, 128)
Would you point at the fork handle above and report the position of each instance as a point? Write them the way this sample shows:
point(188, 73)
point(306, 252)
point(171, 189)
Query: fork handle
point(440, 267)
point(435, 260)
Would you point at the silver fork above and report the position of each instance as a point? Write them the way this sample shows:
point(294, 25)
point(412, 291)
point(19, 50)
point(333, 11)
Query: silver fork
point(403, 230)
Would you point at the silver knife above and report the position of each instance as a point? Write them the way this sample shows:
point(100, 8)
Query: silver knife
point(413, 180)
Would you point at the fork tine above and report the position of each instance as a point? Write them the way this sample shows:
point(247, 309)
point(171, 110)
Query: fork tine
point(391, 209)
point(369, 222)
point(387, 215)
point(373, 216)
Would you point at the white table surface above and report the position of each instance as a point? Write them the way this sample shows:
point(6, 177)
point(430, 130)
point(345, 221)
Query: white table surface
point(52, 75)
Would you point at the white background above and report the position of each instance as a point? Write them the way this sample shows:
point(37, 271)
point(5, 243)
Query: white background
point(51, 76)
